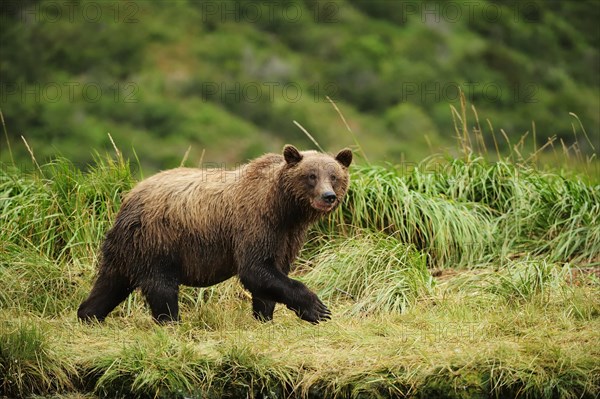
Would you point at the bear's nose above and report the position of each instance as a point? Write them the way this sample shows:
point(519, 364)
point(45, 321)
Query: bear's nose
point(329, 197)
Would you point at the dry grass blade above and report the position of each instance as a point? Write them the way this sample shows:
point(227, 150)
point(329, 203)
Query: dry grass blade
point(32, 156)
point(309, 136)
point(583, 130)
point(356, 142)
point(6, 138)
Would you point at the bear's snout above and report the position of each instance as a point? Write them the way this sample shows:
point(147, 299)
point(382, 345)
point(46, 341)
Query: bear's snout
point(329, 197)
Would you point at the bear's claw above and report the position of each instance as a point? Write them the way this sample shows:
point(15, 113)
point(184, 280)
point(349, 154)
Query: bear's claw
point(316, 313)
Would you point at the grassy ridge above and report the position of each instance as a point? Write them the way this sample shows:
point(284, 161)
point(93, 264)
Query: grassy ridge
point(523, 323)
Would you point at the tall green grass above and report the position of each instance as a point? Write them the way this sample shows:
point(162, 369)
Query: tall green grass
point(60, 210)
point(473, 212)
point(470, 210)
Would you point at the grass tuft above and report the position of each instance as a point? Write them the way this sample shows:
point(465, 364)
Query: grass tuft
point(155, 366)
point(29, 363)
point(376, 273)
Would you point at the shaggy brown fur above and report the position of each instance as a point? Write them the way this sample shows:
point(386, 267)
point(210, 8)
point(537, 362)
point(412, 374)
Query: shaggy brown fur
point(200, 227)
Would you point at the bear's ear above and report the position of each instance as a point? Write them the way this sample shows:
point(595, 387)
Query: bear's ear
point(344, 157)
point(291, 154)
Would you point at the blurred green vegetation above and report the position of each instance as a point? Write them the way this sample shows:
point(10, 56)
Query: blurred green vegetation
point(227, 78)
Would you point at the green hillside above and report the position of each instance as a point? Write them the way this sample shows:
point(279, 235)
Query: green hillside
point(227, 78)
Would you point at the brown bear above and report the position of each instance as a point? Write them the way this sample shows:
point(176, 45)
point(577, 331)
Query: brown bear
point(199, 227)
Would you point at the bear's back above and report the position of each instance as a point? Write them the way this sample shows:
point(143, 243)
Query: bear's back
point(187, 195)
point(182, 180)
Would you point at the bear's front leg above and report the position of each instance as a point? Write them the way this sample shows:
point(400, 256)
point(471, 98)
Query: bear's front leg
point(270, 284)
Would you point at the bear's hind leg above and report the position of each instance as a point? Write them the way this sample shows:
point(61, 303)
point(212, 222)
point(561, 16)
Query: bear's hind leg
point(108, 292)
point(262, 309)
point(162, 297)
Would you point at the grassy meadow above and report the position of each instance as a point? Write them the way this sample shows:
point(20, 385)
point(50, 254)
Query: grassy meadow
point(471, 276)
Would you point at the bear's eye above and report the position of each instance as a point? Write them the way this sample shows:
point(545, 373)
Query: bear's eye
point(333, 178)
point(312, 176)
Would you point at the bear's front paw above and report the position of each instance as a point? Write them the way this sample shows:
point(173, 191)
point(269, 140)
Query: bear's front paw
point(314, 312)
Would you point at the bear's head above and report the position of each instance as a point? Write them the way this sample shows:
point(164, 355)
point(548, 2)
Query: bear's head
point(315, 179)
